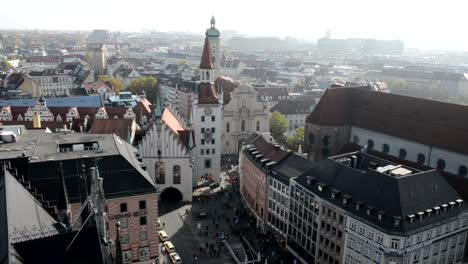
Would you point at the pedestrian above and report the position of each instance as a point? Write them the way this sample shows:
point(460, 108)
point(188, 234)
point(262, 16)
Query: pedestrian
point(164, 224)
point(217, 254)
point(201, 250)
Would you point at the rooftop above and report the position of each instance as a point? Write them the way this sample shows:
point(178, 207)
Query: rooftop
point(384, 194)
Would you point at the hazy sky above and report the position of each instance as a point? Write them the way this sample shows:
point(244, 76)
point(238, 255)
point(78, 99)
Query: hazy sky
point(427, 24)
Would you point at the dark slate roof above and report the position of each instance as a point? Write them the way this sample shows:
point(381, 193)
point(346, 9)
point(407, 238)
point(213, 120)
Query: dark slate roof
point(85, 249)
point(22, 215)
point(118, 165)
point(394, 196)
point(425, 121)
point(269, 150)
point(293, 107)
point(290, 167)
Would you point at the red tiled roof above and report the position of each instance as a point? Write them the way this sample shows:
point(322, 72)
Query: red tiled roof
point(96, 85)
point(206, 62)
point(269, 150)
point(228, 85)
point(109, 126)
point(116, 111)
point(171, 121)
point(428, 122)
point(207, 94)
point(52, 125)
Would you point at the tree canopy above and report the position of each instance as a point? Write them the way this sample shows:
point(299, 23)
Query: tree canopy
point(278, 125)
point(5, 65)
point(297, 139)
point(148, 84)
point(116, 83)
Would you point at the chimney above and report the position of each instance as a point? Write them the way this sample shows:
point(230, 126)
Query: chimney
point(36, 121)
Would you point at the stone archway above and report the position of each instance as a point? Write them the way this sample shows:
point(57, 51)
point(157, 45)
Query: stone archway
point(171, 195)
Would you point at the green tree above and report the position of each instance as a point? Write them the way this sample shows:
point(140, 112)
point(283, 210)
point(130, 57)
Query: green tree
point(278, 125)
point(118, 84)
point(297, 139)
point(147, 84)
point(5, 65)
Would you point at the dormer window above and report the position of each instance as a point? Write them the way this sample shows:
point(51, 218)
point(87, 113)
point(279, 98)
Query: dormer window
point(452, 205)
point(437, 210)
point(444, 207)
point(420, 215)
point(380, 215)
point(396, 220)
point(428, 212)
point(334, 193)
point(459, 202)
point(358, 206)
point(411, 218)
point(368, 211)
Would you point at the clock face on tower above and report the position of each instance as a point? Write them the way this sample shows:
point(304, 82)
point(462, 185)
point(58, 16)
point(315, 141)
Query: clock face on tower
point(208, 111)
point(207, 135)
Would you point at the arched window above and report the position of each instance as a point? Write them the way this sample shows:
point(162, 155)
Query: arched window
point(311, 138)
point(440, 164)
point(385, 148)
point(370, 144)
point(258, 125)
point(421, 158)
point(243, 125)
point(160, 175)
point(326, 140)
point(402, 153)
point(228, 127)
point(176, 174)
point(462, 171)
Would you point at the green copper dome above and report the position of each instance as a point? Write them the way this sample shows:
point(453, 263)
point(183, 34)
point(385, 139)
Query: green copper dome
point(212, 31)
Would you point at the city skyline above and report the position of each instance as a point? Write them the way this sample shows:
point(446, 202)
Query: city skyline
point(435, 28)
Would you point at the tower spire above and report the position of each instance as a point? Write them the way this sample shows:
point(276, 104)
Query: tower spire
point(157, 116)
point(206, 61)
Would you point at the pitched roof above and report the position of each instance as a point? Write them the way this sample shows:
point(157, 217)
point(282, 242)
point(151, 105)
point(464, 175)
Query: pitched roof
point(206, 62)
point(25, 217)
point(292, 166)
point(112, 126)
point(394, 196)
point(425, 121)
point(171, 121)
point(292, 107)
point(228, 85)
point(269, 150)
point(96, 85)
point(207, 94)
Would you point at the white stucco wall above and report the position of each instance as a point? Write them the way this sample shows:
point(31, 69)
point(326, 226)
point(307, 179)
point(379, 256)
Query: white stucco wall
point(432, 154)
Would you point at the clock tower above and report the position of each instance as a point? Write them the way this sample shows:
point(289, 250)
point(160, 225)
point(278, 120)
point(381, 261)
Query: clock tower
point(207, 119)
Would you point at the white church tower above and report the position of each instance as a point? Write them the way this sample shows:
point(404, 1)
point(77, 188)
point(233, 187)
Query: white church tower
point(212, 34)
point(207, 120)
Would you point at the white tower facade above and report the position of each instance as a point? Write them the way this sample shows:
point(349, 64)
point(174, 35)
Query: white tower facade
point(207, 121)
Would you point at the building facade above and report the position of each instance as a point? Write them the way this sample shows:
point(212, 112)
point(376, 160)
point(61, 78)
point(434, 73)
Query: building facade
point(418, 218)
point(243, 115)
point(255, 162)
point(166, 151)
point(207, 113)
point(372, 119)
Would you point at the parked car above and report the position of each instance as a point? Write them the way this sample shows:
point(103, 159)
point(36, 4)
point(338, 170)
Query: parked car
point(169, 247)
point(163, 236)
point(175, 258)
